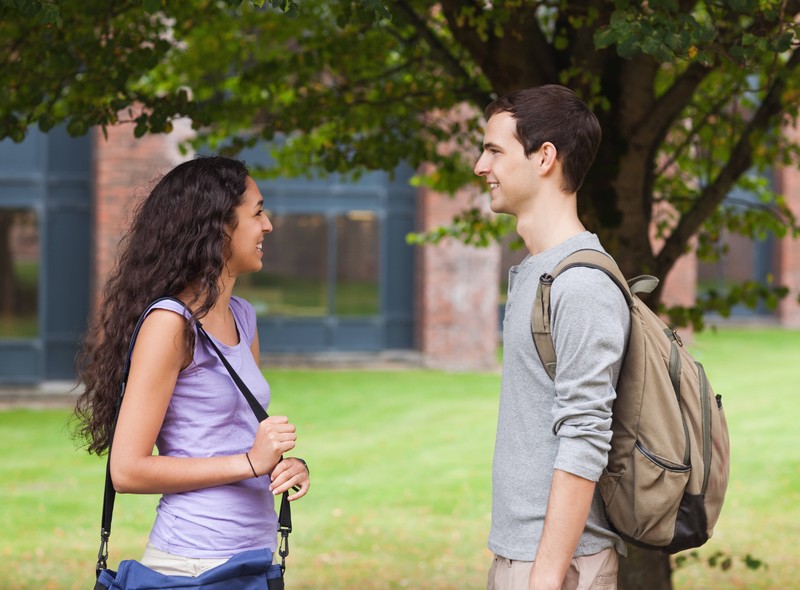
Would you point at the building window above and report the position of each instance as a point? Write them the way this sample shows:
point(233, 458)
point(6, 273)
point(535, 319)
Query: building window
point(20, 255)
point(317, 265)
point(357, 261)
point(293, 281)
point(740, 259)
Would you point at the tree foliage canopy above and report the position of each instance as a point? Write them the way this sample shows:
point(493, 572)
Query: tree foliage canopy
point(692, 96)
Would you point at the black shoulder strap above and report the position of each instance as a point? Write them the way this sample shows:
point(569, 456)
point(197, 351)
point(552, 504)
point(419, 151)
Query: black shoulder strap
point(109, 493)
point(285, 516)
point(540, 314)
point(258, 409)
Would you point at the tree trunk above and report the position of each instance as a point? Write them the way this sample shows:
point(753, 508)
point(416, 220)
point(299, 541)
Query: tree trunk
point(644, 570)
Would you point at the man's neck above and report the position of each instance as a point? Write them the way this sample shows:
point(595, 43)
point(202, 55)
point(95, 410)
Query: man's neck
point(549, 222)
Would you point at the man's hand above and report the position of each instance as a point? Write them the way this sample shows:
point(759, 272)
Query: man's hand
point(567, 511)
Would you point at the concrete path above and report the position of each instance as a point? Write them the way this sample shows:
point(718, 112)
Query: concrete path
point(49, 394)
point(56, 394)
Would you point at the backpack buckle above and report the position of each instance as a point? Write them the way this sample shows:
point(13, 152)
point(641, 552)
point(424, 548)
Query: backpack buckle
point(546, 279)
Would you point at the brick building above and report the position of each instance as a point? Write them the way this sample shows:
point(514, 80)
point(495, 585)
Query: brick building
point(338, 274)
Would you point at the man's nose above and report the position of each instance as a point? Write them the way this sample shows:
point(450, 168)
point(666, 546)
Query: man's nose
point(481, 169)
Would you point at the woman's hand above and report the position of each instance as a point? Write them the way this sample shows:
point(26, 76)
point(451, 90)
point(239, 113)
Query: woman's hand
point(289, 473)
point(274, 437)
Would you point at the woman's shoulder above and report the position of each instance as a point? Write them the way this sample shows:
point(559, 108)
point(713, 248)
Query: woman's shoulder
point(170, 304)
point(164, 322)
point(167, 315)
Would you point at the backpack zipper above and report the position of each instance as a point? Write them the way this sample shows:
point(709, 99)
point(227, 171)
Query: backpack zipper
point(706, 410)
point(661, 462)
point(675, 376)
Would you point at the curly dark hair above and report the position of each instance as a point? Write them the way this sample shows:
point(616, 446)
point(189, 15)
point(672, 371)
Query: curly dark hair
point(177, 243)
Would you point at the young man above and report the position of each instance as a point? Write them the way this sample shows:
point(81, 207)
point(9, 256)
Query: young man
point(549, 529)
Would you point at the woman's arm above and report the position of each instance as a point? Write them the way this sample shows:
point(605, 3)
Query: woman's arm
point(158, 356)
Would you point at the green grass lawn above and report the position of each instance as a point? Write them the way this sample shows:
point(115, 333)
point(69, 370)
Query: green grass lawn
point(400, 465)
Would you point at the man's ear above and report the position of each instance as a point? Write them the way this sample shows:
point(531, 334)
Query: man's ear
point(547, 155)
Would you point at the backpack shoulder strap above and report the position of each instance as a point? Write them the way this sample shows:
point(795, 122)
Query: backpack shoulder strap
point(540, 314)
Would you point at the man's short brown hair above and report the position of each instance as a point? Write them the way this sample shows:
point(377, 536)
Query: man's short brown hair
point(554, 113)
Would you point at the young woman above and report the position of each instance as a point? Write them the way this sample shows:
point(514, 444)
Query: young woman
point(217, 468)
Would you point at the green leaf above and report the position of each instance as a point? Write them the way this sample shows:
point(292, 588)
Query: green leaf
point(141, 127)
point(743, 6)
point(753, 563)
point(629, 48)
point(604, 37)
point(50, 14)
point(46, 123)
point(151, 5)
point(783, 42)
point(27, 8)
point(77, 127)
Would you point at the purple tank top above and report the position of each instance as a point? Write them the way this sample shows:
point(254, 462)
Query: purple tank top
point(209, 416)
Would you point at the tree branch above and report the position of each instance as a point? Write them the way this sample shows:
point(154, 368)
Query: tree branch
point(472, 91)
point(669, 106)
point(521, 56)
point(740, 161)
point(705, 120)
point(654, 127)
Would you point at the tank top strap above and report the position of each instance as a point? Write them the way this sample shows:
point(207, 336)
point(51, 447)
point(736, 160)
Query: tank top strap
point(171, 305)
point(245, 315)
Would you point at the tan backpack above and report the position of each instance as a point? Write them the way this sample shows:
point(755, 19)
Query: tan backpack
point(668, 465)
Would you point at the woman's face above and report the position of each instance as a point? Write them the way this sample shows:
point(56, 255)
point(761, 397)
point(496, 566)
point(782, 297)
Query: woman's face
point(247, 238)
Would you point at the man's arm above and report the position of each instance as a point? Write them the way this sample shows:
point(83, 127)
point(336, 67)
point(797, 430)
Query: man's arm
point(567, 510)
point(590, 322)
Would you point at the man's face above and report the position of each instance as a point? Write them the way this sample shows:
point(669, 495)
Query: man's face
point(511, 175)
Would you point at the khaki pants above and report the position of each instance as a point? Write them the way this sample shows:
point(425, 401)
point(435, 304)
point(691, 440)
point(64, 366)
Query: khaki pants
point(175, 565)
point(595, 572)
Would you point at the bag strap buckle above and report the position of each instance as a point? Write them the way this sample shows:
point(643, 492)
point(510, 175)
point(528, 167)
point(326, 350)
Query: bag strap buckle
point(283, 546)
point(102, 553)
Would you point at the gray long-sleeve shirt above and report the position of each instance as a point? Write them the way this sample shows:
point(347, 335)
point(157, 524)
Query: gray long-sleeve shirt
point(544, 425)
